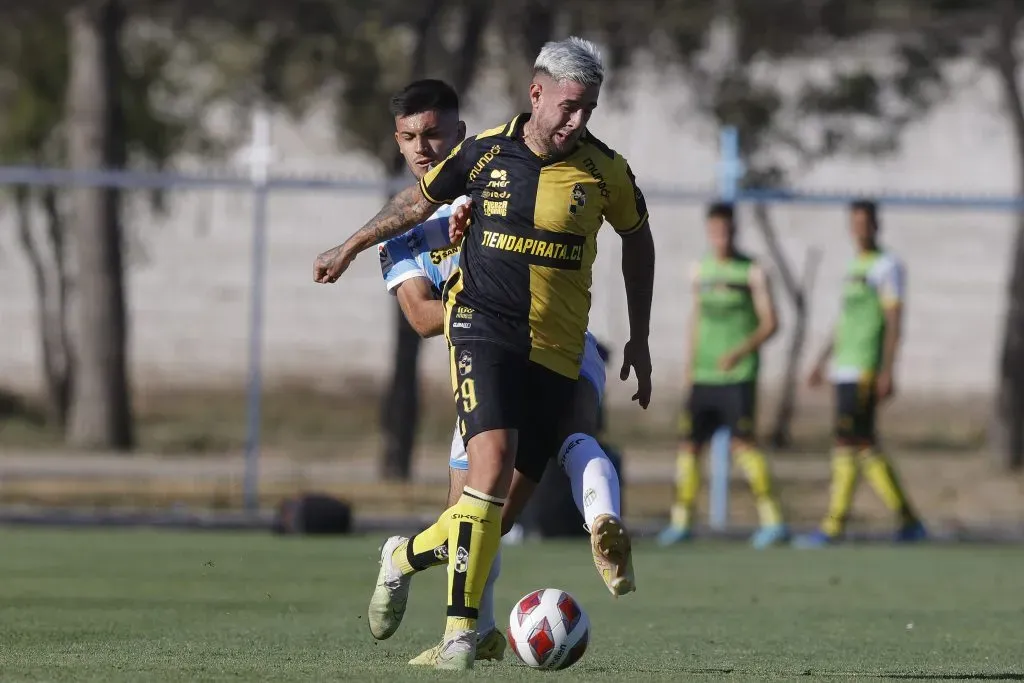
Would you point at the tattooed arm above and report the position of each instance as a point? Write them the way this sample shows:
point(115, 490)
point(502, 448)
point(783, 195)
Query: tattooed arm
point(406, 209)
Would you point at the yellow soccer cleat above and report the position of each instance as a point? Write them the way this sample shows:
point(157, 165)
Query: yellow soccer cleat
point(426, 658)
point(456, 652)
point(490, 647)
point(613, 554)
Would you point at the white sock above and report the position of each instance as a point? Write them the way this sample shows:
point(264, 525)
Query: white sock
point(595, 485)
point(485, 618)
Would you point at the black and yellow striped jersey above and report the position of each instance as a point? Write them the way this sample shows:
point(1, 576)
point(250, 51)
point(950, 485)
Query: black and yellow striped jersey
point(525, 271)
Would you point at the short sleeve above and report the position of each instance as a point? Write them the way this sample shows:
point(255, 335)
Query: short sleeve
point(890, 281)
point(447, 181)
point(627, 208)
point(397, 264)
point(435, 228)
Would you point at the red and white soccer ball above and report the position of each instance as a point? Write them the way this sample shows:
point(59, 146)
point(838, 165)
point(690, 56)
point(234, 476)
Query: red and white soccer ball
point(548, 629)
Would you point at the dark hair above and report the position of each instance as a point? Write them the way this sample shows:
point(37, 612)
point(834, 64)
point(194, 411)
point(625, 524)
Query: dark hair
point(869, 208)
point(426, 95)
point(722, 210)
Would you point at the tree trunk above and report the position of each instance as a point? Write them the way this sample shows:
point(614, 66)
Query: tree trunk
point(400, 407)
point(1007, 435)
point(1008, 430)
point(49, 277)
point(399, 417)
point(797, 292)
point(101, 406)
point(475, 18)
point(64, 361)
point(782, 431)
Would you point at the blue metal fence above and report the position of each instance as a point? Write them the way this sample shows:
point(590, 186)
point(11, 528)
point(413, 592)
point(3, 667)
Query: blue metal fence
point(261, 182)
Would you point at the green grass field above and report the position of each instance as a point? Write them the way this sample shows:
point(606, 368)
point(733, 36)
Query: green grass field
point(125, 605)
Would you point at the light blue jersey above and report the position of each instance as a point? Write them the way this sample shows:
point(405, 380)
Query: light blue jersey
point(425, 251)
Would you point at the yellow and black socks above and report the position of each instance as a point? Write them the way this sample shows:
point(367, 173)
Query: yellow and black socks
point(687, 488)
point(880, 474)
point(844, 484)
point(474, 536)
point(755, 466)
point(426, 549)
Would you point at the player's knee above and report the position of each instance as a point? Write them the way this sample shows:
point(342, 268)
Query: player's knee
point(491, 460)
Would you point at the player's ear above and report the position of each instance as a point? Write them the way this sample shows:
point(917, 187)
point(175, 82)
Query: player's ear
point(398, 140)
point(461, 135)
point(535, 91)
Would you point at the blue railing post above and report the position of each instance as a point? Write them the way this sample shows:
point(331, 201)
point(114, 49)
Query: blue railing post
point(259, 157)
point(730, 172)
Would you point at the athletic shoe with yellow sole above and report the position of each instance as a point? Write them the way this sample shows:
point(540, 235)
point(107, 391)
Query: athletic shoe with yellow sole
point(490, 647)
point(613, 554)
point(456, 652)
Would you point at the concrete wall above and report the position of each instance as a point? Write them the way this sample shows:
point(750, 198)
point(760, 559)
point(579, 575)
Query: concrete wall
point(189, 294)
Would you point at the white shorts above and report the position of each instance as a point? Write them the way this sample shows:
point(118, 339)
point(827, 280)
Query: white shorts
point(592, 370)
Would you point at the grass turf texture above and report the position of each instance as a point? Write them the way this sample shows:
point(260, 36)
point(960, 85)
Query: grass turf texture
point(129, 605)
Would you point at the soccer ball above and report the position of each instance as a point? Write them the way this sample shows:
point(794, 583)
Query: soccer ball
point(548, 629)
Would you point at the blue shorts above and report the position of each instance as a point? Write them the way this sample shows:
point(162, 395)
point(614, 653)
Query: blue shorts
point(592, 370)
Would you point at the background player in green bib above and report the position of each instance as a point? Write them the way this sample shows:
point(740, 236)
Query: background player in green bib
point(863, 352)
point(733, 315)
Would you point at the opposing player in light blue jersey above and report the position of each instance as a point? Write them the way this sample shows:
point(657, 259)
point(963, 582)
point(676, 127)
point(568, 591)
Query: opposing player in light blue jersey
point(415, 267)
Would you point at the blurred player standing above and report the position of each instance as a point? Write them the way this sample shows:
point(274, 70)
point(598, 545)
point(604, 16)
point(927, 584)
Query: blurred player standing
point(517, 308)
point(733, 316)
point(863, 351)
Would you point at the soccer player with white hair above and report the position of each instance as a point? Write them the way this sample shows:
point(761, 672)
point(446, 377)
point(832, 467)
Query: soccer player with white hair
point(517, 308)
point(415, 267)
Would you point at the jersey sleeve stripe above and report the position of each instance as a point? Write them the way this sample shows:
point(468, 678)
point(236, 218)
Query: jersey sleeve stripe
point(423, 189)
point(635, 228)
point(407, 275)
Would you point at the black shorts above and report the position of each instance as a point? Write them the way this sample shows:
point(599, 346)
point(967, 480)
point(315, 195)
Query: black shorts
point(498, 388)
point(856, 406)
point(713, 406)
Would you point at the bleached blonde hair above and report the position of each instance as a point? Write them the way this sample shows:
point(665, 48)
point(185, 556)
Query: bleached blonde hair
point(573, 59)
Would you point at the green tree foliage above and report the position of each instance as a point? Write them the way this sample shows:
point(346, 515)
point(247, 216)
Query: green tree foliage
point(161, 118)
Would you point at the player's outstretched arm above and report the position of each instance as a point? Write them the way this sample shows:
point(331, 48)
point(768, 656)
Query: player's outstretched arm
point(406, 209)
point(424, 313)
point(638, 275)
